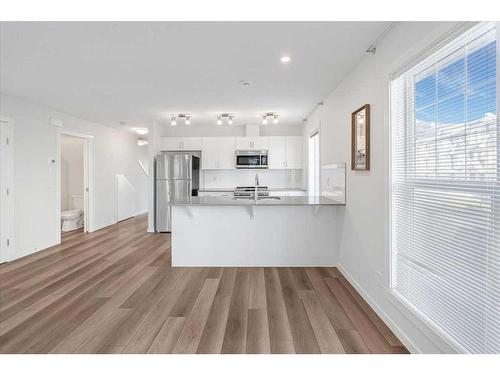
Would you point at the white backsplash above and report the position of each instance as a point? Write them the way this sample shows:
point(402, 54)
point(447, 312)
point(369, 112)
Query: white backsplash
point(333, 181)
point(272, 178)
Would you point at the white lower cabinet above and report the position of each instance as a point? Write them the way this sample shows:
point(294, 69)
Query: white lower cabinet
point(218, 153)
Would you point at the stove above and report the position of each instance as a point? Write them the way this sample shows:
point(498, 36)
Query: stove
point(249, 191)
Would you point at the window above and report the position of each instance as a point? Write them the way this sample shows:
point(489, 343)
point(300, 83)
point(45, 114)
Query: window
point(314, 164)
point(445, 191)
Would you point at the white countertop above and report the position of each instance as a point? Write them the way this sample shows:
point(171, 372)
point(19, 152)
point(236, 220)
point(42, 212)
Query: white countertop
point(231, 201)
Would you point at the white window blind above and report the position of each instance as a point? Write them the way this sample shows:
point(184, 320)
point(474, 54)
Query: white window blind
point(445, 192)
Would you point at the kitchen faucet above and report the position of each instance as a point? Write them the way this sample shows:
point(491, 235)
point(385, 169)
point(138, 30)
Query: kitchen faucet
point(256, 185)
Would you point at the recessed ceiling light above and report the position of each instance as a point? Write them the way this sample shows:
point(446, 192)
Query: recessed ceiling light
point(245, 84)
point(285, 59)
point(141, 131)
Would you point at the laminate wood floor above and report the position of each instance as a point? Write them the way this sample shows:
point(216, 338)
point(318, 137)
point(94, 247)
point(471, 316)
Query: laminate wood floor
point(114, 291)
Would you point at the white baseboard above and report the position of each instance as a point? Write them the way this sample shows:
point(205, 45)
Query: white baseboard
point(141, 212)
point(27, 252)
point(102, 226)
point(407, 342)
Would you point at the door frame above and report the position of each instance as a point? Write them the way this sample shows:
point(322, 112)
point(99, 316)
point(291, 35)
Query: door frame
point(7, 182)
point(88, 179)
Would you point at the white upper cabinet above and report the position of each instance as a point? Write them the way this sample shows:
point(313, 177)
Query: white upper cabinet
point(285, 152)
point(252, 143)
point(218, 153)
point(294, 152)
point(277, 152)
point(181, 143)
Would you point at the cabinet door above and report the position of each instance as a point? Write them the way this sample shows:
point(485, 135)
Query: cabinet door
point(227, 155)
point(252, 143)
point(260, 143)
point(171, 143)
point(209, 153)
point(243, 143)
point(294, 153)
point(191, 143)
point(277, 152)
point(218, 153)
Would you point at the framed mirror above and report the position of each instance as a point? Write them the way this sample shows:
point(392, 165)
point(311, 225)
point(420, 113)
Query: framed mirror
point(360, 139)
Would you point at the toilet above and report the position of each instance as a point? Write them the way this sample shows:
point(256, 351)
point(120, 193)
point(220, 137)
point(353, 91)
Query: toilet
point(73, 219)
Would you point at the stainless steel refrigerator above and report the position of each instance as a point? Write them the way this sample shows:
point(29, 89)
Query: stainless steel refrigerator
point(177, 176)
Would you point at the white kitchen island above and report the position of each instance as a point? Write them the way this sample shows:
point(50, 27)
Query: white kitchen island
point(226, 232)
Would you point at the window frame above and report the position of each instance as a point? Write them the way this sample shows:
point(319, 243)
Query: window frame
point(397, 300)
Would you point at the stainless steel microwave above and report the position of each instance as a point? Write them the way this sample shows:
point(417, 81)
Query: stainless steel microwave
point(251, 159)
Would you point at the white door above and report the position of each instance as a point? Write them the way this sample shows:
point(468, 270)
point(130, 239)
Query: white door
point(294, 152)
point(277, 152)
point(6, 191)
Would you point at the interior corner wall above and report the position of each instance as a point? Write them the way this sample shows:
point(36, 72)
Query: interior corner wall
point(35, 181)
point(363, 224)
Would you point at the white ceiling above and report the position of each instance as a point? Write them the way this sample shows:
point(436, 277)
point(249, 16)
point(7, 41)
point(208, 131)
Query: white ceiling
point(135, 72)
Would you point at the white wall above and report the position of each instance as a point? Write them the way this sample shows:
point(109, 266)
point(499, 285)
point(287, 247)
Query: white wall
point(37, 220)
point(363, 225)
point(72, 180)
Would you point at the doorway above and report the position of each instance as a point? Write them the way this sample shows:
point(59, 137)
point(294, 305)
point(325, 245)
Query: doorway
point(7, 250)
point(74, 191)
point(314, 164)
